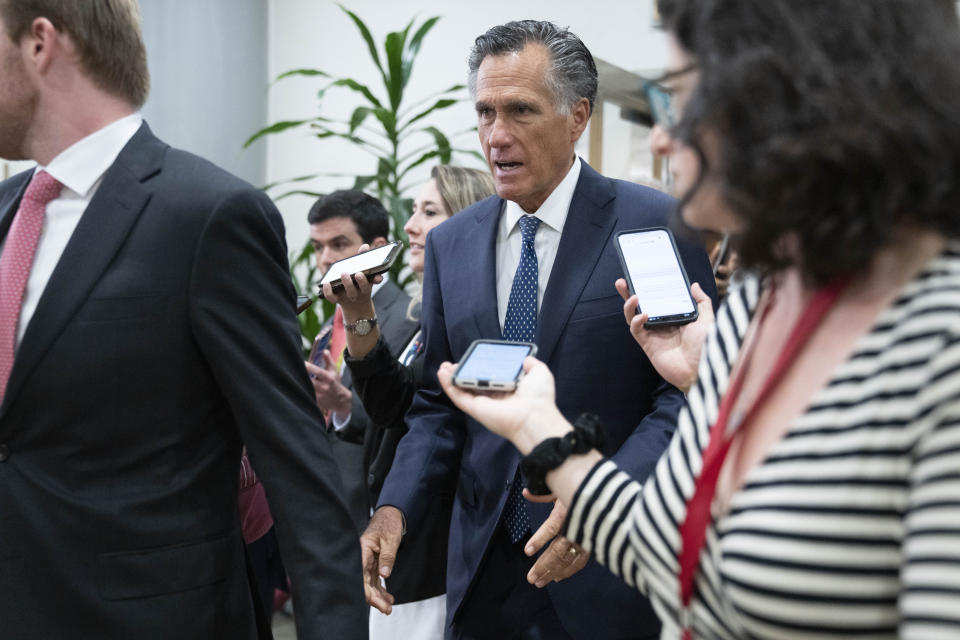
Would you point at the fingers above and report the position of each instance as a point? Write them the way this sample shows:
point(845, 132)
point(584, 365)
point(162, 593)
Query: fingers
point(530, 363)
point(532, 497)
point(704, 303)
point(561, 560)
point(622, 288)
point(630, 305)
point(376, 593)
point(329, 364)
point(715, 253)
point(330, 294)
point(550, 528)
point(313, 370)
point(389, 543)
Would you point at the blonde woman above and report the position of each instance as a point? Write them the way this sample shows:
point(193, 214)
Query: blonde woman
point(386, 386)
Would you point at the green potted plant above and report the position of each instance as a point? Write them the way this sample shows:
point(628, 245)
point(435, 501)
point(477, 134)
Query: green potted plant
point(387, 124)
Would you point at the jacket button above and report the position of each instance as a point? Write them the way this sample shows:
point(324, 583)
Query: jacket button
point(371, 479)
point(4, 452)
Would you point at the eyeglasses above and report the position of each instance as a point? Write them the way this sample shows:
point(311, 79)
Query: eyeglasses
point(660, 98)
point(660, 101)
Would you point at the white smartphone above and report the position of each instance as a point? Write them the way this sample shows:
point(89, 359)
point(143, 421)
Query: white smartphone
point(370, 263)
point(655, 274)
point(493, 365)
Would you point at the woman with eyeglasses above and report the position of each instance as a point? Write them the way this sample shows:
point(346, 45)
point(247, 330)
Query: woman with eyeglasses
point(813, 485)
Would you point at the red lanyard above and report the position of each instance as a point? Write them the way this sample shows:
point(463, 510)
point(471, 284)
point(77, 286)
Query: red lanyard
point(693, 531)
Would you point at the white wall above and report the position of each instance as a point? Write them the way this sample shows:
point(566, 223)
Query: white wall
point(317, 34)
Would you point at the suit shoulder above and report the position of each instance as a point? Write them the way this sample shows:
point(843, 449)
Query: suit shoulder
point(191, 170)
point(466, 220)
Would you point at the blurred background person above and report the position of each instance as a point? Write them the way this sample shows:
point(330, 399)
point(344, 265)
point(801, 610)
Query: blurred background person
point(340, 222)
point(812, 488)
point(385, 385)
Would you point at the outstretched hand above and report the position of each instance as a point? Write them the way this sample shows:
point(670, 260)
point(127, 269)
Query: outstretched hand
point(674, 351)
point(378, 550)
point(525, 416)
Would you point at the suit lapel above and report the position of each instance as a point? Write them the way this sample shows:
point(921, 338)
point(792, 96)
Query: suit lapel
point(102, 229)
point(585, 234)
point(11, 200)
point(481, 285)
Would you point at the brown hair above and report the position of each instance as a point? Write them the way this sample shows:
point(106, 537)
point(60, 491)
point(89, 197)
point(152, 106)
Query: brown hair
point(105, 32)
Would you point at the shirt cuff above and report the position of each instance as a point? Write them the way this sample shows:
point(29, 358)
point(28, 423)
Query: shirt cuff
point(340, 422)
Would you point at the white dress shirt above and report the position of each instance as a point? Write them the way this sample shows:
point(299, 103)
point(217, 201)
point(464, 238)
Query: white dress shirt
point(553, 215)
point(79, 168)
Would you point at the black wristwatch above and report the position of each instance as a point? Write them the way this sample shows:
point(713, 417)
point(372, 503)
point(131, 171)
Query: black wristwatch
point(361, 327)
point(587, 434)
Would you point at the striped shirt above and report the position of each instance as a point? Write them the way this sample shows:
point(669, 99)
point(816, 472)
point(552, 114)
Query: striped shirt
point(850, 527)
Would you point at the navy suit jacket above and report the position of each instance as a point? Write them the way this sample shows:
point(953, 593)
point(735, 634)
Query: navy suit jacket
point(165, 337)
point(598, 367)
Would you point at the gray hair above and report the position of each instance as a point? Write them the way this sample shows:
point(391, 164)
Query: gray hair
point(572, 74)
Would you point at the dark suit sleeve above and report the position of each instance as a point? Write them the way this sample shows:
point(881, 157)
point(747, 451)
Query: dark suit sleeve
point(395, 331)
point(639, 453)
point(242, 315)
point(385, 386)
point(428, 457)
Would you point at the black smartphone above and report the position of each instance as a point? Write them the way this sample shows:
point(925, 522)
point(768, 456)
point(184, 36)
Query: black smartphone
point(320, 344)
point(723, 253)
point(370, 263)
point(655, 273)
point(492, 365)
point(303, 303)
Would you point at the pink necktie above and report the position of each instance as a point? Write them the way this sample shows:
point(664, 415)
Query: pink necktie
point(16, 261)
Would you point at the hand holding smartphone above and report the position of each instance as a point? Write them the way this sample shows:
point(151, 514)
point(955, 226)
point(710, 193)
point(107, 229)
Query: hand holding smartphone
point(370, 263)
point(493, 365)
point(655, 274)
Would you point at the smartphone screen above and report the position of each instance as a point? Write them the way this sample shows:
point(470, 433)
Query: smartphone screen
point(493, 364)
point(379, 257)
point(656, 275)
point(320, 344)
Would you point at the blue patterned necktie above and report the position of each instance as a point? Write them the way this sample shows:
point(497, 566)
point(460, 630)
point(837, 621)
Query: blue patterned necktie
point(521, 325)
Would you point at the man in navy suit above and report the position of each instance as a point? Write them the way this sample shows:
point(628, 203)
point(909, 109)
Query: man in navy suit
point(147, 330)
point(534, 85)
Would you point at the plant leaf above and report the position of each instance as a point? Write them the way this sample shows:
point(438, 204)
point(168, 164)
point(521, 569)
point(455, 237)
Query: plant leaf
point(414, 47)
point(362, 182)
point(422, 101)
point(393, 45)
point(276, 127)
point(419, 161)
point(271, 185)
point(298, 192)
point(359, 115)
point(350, 83)
point(443, 103)
point(300, 72)
point(389, 121)
point(443, 144)
point(365, 32)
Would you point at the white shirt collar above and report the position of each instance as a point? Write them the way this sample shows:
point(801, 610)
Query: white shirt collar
point(553, 211)
point(82, 164)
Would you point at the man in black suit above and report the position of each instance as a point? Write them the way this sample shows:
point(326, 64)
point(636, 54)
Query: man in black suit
point(537, 263)
point(147, 329)
point(340, 223)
